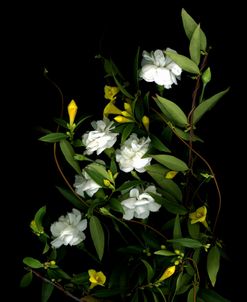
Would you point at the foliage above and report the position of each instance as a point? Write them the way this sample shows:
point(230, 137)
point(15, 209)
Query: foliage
point(141, 199)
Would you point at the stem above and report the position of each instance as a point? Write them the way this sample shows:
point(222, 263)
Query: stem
point(57, 285)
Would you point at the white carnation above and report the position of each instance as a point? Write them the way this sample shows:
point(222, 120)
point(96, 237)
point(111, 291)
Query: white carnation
point(99, 139)
point(139, 205)
point(68, 230)
point(158, 68)
point(130, 155)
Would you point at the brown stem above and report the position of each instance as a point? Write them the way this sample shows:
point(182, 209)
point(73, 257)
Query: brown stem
point(57, 285)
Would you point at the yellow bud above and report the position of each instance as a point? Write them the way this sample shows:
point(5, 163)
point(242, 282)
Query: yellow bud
point(171, 174)
point(106, 182)
point(126, 114)
point(167, 273)
point(128, 108)
point(122, 119)
point(72, 110)
point(145, 121)
point(52, 262)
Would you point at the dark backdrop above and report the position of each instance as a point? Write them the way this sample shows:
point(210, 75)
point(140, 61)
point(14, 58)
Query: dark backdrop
point(64, 39)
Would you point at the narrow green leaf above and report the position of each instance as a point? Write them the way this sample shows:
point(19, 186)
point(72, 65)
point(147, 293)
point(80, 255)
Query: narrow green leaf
point(183, 283)
point(69, 154)
point(171, 162)
point(46, 291)
point(121, 88)
point(185, 63)
point(97, 235)
point(213, 263)
point(186, 135)
point(71, 197)
point(97, 172)
point(164, 253)
point(187, 242)
point(172, 111)
point(53, 137)
point(150, 271)
point(39, 217)
point(171, 206)
point(126, 132)
point(190, 25)
point(194, 230)
point(31, 262)
point(26, 279)
point(206, 105)
point(211, 296)
point(192, 295)
point(157, 144)
point(195, 49)
point(177, 233)
point(129, 185)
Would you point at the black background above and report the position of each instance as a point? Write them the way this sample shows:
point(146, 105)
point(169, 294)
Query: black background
point(64, 39)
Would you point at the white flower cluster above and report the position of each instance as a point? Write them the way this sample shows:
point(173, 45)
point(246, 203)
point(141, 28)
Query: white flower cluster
point(68, 230)
point(140, 204)
point(130, 155)
point(84, 183)
point(158, 68)
point(99, 139)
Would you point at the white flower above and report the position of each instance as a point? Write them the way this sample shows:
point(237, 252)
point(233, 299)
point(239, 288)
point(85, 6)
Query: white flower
point(131, 152)
point(158, 68)
point(68, 230)
point(84, 183)
point(101, 138)
point(139, 205)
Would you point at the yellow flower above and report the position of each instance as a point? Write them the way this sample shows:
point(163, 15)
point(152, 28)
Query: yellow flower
point(110, 108)
point(72, 110)
point(110, 92)
point(96, 278)
point(199, 216)
point(167, 273)
point(128, 108)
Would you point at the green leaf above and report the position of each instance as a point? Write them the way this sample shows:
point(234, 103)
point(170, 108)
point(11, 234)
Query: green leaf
point(164, 253)
point(185, 63)
point(136, 67)
point(211, 296)
point(194, 230)
point(31, 262)
point(71, 197)
point(26, 279)
point(177, 233)
point(171, 162)
point(172, 111)
point(183, 283)
point(69, 154)
point(206, 105)
point(195, 49)
point(190, 25)
point(171, 206)
point(126, 132)
point(97, 172)
point(53, 137)
point(150, 271)
point(157, 144)
point(213, 263)
point(46, 291)
point(129, 184)
point(97, 235)
point(187, 242)
point(186, 135)
point(121, 88)
point(39, 217)
point(192, 295)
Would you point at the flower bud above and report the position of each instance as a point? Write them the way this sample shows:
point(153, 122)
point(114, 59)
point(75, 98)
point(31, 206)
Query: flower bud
point(72, 110)
point(167, 273)
point(145, 121)
point(206, 76)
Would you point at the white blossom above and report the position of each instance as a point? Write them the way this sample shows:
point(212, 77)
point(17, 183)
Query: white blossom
point(130, 155)
point(139, 205)
point(68, 230)
point(84, 183)
point(101, 138)
point(158, 68)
